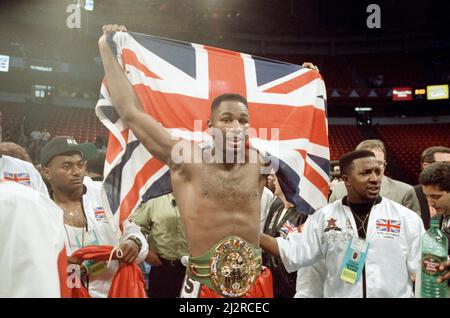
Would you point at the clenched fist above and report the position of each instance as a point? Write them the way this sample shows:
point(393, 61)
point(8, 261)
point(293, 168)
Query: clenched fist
point(111, 28)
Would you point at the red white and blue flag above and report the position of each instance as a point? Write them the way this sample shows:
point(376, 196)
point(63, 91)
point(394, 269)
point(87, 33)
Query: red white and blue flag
point(176, 83)
point(289, 228)
point(388, 226)
point(99, 214)
point(20, 177)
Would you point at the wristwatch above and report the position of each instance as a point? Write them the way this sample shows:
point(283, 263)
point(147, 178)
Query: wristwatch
point(136, 240)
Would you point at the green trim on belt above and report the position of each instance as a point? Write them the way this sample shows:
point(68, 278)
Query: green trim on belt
point(199, 268)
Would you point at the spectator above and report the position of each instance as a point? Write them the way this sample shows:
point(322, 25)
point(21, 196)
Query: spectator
point(23, 139)
point(36, 135)
point(33, 261)
point(282, 220)
point(335, 175)
point(95, 166)
point(159, 219)
point(100, 143)
point(85, 220)
point(435, 181)
point(45, 136)
point(429, 155)
point(34, 149)
point(20, 171)
point(270, 181)
point(267, 198)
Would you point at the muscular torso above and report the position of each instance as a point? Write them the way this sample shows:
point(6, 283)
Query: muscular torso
point(216, 201)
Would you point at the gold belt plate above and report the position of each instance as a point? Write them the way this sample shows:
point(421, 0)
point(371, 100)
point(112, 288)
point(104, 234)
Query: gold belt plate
point(234, 267)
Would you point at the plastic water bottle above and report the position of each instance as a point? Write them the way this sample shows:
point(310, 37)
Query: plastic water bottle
point(434, 251)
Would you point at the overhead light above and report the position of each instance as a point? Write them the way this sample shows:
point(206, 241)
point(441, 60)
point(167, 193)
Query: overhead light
point(41, 68)
point(363, 109)
point(4, 63)
point(89, 5)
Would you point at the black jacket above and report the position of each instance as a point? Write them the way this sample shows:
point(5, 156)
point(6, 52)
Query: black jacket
point(278, 224)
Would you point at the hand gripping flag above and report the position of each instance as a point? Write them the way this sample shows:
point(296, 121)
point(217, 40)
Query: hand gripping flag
point(176, 83)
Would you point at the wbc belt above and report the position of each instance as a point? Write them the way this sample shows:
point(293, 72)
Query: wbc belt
point(230, 267)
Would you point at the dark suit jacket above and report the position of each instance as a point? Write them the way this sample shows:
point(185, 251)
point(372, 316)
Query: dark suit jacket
point(424, 208)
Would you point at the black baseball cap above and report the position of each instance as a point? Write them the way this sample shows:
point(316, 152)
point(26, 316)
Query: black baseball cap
point(59, 146)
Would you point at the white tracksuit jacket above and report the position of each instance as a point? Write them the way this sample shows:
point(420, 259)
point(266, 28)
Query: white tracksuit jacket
point(392, 258)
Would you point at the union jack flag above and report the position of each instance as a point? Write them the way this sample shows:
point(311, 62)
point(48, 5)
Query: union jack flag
point(389, 226)
point(20, 177)
point(289, 228)
point(176, 83)
point(99, 214)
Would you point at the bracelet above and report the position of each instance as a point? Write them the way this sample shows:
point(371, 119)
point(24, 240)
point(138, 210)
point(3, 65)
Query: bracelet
point(136, 240)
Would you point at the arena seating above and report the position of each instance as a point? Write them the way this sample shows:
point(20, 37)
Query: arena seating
point(406, 143)
point(397, 69)
point(343, 138)
point(353, 71)
point(81, 123)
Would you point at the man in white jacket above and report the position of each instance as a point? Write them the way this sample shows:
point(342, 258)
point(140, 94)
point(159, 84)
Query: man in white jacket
point(85, 221)
point(13, 169)
point(31, 243)
point(370, 244)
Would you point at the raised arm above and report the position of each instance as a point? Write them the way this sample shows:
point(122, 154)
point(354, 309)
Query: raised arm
point(149, 132)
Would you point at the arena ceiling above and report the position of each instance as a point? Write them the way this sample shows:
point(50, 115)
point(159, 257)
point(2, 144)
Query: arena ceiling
point(223, 18)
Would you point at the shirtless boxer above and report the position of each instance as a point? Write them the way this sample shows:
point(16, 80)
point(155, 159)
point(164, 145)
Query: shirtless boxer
point(219, 202)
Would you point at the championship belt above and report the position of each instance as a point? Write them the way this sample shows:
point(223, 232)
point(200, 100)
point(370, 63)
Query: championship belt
point(230, 268)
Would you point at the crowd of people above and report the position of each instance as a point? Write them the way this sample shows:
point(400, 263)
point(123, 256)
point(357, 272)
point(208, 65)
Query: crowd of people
point(226, 230)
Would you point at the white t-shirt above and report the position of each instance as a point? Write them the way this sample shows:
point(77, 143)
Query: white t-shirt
point(36, 135)
point(31, 240)
point(22, 172)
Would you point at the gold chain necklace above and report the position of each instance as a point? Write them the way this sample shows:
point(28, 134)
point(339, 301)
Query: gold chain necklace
point(363, 222)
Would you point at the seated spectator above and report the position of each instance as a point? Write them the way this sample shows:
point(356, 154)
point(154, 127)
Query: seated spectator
point(45, 136)
point(36, 135)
